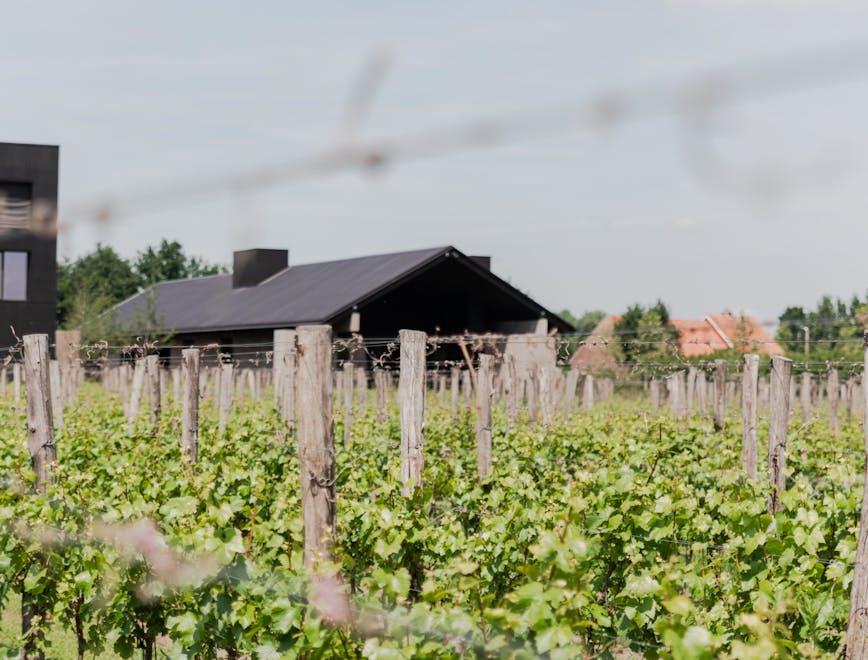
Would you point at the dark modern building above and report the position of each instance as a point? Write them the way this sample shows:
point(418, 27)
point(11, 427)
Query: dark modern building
point(28, 245)
point(439, 290)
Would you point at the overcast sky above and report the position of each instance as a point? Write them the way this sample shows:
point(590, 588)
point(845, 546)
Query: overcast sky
point(143, 95)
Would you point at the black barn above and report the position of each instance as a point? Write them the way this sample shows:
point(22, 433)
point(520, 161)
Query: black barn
point(28, 252)
point(438, 290)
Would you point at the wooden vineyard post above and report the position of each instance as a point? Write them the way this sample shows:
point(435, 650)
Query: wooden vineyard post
point(136, 393)
point(544, 380)
point(411, 398)
point(316, 446)
point(190, 405)
point(749, 383)
point(362, 387)
point(282, 340)
point(43, 455)
point(454, 385)
point(588, 392)
point(176, 385)
point(805, 397)
point(719, 391)
point(570, 391)
point(512, 392)
point(40, 434)
point(779, 416)
point(691, 390)
point(227, 381)
point(857, 623)
point(532, 392)
point(380, 386)
point(466, 385)
point(55, 390)
point(348, 400)
point(16, 382)
point(152, 365)
point(832, 389)
point(654, 393)
point(483, 415)
point(702, 393)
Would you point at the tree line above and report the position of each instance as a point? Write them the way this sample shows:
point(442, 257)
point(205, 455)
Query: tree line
point(89, 286)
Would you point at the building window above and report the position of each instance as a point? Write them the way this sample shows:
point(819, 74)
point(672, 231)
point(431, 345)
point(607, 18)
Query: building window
point(15, 204)
point(13, 275)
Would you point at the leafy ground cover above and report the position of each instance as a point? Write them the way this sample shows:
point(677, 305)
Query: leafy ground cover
point(618, 531)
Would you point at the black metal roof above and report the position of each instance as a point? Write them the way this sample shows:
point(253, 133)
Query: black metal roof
point(307, 293)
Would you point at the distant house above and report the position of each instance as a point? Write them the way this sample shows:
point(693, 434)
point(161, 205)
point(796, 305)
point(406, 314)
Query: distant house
point(713, 333)
point(439, 290)
point(721, 332)
point(28, 246)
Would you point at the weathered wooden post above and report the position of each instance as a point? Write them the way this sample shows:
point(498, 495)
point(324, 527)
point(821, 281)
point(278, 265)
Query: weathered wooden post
point(380, 385)
point(316, 446)
point(411, 397)
point(702, 392)
point(16, 381)
point(544, 381)
point(779, 416)
point(227, 382)
point(719, 402)
point(805, 397)
point(570, 391)
point(55, 388)
point(857, 624)
point(43, 455)
point(136, 393)
point(833, 393)
point(40, 432)
point(176, 385)
point(455, 376)
point(691, 389)
point(190, 404)
point(361, 388)
point(588, 392)
point(512, 392)
point(152, 365)
point(654, 393)
point(749, 383)
point(483, 415)
point(348, 400)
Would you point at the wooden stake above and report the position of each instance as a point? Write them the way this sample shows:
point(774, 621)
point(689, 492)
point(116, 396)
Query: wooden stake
point(412, 402)
point(719, 391)
point(779, 416)
point(454, 386)
point(588, 392)
point(749, 383)
point(227, 381)
point(857, 623)
point(512, 392)
point(190, 404)
point(483, 415)
point(805, 397)
point(570, 391)
point(348, 400)
point(56, 389)
point(316, 446)
point(380, 385)
point(136, 393)
point(40, 432)
point(152, 365)
point(832, 390)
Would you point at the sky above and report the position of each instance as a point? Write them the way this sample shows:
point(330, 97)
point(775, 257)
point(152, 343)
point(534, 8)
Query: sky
point(751, 206)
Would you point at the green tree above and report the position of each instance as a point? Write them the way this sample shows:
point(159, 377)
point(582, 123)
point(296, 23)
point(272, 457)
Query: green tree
point(168, 261)
point(834, 326)
point(645, 334)
point(585, 323)
point(93, 282)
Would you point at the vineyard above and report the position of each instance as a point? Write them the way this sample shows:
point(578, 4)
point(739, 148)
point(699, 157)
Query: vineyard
point(458, 514)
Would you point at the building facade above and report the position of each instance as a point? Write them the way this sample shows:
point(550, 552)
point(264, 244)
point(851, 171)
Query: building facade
point(438, 290)
point(28, 241)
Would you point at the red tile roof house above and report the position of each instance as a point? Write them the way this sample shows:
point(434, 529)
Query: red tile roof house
point(715, 332)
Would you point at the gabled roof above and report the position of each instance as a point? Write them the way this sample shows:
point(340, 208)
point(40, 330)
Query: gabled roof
point(720, 332)
point(307, 293)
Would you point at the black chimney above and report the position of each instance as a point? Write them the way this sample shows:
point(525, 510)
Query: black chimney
point(485, 262)
point(250, 267)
